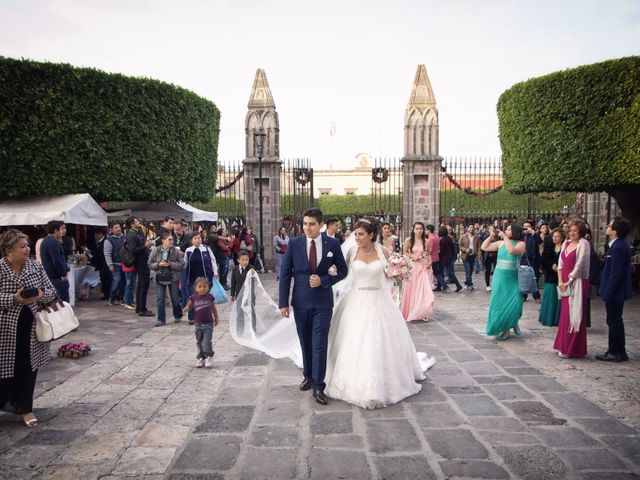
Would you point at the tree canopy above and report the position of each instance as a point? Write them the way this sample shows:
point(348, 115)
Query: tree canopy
point(72, 130)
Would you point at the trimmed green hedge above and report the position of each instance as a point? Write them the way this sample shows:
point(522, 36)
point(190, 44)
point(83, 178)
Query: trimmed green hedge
point(500, 202)
point(346, 205)
point(71, 130)
point(575, 130)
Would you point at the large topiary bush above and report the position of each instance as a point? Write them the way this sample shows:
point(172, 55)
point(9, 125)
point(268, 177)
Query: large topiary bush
point(70, 130)
point(575, 130)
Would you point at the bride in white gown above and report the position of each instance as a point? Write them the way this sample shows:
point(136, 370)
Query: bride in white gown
point(372, 361)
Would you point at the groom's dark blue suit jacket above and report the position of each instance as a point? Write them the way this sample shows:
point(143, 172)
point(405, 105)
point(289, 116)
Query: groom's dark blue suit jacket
point(615, 280)
point(296, 265)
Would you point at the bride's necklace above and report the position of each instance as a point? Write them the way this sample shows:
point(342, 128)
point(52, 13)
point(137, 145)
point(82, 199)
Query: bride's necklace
point(367, 254)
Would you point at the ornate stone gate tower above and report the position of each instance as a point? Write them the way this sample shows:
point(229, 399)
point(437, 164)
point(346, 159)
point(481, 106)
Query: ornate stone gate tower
point(262, 115)
point(421, 161)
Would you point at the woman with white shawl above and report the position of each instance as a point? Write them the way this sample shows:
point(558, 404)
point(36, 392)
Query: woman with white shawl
point(573, 289)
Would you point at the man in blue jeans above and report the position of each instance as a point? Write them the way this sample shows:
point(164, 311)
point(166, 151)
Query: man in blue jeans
point(469, 248)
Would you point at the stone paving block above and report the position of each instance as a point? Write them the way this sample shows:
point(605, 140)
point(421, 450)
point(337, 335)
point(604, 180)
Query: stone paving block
point(447, 371)
point(473, 469)
point(330, 464)
point(51, 437)
point(428, 394)
point(334, 405)
point(481, 368)
point(494, 379)
point(195, 476)
point(392, 411)
point(114, 424)
point(542, 384)
point(332, 422)
point(456, 443)
point(238, 396)
point(453, 380)
point(436, 415)
point(609, 475)
point(511, 362)
point(522, 371)
point(500, 424)
point(95, 449)
point(226, 419)
point(533, 462)
point(349, 442)
point(534, 413)
point(249, 371)
point(509, 438)
point(253, 360)
point(406, 467)
point(511, 391)
point(67, 472)
point(392, 436)
point(463, 390)
point(69, 422)
point(271, 463)
point(564, 436)
point(30, 456)
point(624, 445)
point(207, 453)
point(592, 459)
point(478, 405)
point(144, 460)
point(574, 405)
point(158, 435)
point(603, 426)
point(274, 436)
point(284, 413)
point(465, 356)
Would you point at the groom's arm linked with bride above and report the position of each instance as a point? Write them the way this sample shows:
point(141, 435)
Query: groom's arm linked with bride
point(312, 298)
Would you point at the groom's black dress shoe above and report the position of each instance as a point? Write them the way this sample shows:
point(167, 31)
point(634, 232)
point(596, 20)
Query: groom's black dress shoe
point(612, 357)
point(320, 397)
point(306, 384)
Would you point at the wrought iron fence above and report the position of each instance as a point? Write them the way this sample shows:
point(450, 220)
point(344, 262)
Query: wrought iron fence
point(228, 197)
point(296, 195)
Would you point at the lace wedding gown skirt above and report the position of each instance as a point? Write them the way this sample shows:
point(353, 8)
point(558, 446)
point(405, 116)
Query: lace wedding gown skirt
point(372, 361)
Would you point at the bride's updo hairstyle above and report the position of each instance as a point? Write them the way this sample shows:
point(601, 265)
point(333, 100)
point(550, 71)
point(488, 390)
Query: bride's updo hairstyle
point(369, 225)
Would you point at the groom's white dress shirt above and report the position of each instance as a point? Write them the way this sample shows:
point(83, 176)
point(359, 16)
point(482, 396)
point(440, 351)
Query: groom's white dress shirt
point(318, 240)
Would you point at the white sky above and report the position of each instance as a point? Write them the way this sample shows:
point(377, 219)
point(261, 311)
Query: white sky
point(348, 62)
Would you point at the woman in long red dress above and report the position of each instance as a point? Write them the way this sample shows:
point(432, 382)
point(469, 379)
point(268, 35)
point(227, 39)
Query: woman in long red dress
point(573, 278)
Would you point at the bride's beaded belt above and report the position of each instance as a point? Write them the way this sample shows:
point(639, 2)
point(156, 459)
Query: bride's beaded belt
point(368, 288)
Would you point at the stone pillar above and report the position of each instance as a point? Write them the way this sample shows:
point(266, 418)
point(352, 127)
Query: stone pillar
point(421, 161)
point(262, 115)
point(600, 209)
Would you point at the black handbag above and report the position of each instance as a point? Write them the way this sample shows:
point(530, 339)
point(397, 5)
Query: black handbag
point(164, 276)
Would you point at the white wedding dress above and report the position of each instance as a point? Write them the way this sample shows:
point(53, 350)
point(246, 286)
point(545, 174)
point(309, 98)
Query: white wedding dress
point(372, 361)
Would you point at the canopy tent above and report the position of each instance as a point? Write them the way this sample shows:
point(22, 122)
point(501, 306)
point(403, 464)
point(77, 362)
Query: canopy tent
point(199, 215)
point(156, 211)
point(78, 208)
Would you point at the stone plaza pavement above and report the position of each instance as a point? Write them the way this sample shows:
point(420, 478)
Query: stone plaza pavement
point(137, 408)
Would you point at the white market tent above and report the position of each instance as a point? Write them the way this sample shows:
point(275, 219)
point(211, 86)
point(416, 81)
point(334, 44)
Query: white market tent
point(78, 208)
point(199, 215)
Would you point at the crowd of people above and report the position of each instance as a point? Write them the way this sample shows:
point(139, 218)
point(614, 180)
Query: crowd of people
point(185, 264)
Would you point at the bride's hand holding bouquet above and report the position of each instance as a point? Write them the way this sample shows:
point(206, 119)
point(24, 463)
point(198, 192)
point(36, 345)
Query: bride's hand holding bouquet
point(398, 268)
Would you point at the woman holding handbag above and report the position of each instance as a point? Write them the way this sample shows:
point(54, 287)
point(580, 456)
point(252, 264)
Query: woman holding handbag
point(573, 289)
point(24, 287)
point(505, 307)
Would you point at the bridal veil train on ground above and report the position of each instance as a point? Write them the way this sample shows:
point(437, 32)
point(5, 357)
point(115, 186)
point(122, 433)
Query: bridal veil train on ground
point(372, 361)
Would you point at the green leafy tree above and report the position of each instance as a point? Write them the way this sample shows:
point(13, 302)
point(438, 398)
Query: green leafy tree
point(73, 130)
point(577, 130)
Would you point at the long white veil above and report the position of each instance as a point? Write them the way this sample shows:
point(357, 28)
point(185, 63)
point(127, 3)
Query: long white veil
point(256, 323)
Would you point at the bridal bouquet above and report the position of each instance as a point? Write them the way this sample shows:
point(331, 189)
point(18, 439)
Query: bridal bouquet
point(398, 268)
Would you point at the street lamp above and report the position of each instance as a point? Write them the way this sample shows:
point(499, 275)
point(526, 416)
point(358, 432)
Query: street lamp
point(258, 137)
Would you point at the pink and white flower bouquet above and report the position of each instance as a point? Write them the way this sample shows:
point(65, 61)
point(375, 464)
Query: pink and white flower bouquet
point(398, 268)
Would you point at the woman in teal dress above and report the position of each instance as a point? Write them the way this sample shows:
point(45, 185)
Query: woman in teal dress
point(550, 308)
point(505, 308)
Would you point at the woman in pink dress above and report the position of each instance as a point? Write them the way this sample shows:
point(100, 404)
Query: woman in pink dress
point(417, 297)
point(573, 286)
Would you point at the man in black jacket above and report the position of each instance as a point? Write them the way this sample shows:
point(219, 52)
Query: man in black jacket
point(53, 259)
point(140, 246)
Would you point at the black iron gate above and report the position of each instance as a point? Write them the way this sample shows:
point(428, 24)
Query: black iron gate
point(296, 182)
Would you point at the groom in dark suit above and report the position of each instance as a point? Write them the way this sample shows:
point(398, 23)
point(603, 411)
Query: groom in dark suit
point(615, 287)
point(307, 261)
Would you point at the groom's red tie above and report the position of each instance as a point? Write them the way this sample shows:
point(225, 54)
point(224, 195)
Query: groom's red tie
point(313, 257)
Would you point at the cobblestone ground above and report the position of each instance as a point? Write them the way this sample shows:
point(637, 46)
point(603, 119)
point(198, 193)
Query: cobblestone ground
point(137, 408)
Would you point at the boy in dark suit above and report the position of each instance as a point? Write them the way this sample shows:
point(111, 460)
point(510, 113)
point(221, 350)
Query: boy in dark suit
point(238, 278)
point(615, 287)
